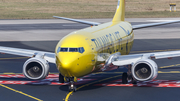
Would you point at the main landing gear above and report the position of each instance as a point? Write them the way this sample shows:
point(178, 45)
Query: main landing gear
point(126, 77)
point(72, 87)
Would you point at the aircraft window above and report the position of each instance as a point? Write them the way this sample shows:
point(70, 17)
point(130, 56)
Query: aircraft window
point(81, 50)
point(73, 49)
point(64, 49)
point(58, 50)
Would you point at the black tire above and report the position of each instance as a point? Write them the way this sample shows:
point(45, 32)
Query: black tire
point(72, 89)
point(124, 78)
point(134, 81)
point(61, 78)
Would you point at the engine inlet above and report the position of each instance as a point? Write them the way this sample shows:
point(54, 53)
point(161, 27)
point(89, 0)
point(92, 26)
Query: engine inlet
point(142, 71)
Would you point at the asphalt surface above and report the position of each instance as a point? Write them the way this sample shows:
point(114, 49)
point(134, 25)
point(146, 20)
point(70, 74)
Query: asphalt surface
point(90, 89)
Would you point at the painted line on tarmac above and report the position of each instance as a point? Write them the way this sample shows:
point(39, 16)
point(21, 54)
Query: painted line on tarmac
point(154, 51)
point(6, 73)
point(58, 73)
point(14, 58)
point(20, 92)
point(153, 83)
point(170, 66)
point(70, 93)
point(67, 96)
point(169, 72)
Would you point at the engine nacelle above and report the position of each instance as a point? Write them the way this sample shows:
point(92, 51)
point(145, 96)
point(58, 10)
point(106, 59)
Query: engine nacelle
point(144, 70)
point(36, 68)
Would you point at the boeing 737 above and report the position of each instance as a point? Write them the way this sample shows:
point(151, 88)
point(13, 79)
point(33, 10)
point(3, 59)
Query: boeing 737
point(94, 49)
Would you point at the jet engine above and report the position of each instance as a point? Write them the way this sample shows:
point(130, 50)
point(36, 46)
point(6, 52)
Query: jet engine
point(36, 68)
point(144, 70)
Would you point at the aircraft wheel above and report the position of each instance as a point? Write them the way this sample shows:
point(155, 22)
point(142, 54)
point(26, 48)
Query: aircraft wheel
point(124, 78)
point(134, 81)
point(61, 78)
point(72, 88)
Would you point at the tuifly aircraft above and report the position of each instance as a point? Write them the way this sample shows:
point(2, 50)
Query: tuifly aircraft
point(94, 49)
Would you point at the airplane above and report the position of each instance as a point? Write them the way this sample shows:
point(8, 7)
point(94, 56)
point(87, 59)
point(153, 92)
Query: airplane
point(95, 49)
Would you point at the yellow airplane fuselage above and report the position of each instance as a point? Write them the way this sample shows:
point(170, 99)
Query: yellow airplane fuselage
point(84, 51)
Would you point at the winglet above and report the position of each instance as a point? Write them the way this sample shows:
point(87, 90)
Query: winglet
point(120, 11)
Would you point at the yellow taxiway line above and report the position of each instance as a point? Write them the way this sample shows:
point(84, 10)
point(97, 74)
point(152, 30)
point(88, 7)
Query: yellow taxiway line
point(20, 92)
point(70, 93)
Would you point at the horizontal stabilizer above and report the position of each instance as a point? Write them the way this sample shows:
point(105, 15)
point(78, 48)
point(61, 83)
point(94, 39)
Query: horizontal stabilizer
point(153, 24)
point(79, 21)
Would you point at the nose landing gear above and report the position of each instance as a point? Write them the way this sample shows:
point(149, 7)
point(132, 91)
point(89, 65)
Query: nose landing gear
point(72, 87)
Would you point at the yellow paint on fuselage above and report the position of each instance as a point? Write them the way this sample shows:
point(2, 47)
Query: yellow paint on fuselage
point(102, 39)
point(99, 42)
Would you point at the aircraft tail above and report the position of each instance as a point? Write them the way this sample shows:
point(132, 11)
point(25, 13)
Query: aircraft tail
point(120, 11)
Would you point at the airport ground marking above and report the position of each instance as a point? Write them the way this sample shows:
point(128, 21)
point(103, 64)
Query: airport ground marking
point(70, 93)
point(20, 92)
point(154, 51)
point(14, 58)
point(170, 66)
point(67, 97)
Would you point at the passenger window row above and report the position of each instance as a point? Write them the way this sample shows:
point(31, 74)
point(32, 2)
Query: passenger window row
point(62, 49)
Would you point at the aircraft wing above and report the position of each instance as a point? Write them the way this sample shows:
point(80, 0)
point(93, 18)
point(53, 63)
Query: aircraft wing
point(79, 21)
point(153, 24)
point(119, 60)
point(48, 56)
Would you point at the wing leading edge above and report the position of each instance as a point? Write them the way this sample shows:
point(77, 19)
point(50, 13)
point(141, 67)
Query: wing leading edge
point(48, 56)
point(131, 59)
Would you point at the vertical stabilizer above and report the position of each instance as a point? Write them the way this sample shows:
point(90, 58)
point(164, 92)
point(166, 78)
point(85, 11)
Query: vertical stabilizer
point(120, 11)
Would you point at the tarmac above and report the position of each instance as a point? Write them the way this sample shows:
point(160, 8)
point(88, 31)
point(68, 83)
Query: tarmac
point(45, 34)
